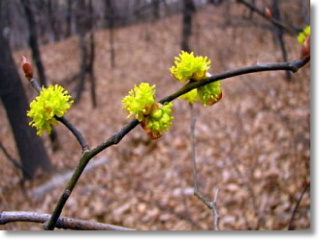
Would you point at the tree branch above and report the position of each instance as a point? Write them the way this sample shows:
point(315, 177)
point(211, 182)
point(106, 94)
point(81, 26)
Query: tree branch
point(290, 225)
point(293, 66)
point(211, 205)
point(252, 7)
point(74, 131)
point(193, 148)
point(86, 157)
point(65, 121)
point(63, 222)
point(14, 162)
point(117, 137)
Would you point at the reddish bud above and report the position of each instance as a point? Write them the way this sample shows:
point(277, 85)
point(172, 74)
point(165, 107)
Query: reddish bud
point(305, 183)
point(152, 134)
point(27, 68)
point(305, 49)
point(144, 123)
point(213, 101)
point(268, 13)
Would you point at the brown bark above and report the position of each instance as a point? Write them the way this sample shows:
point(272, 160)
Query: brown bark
point(30, 147)
point(36, 55)
point(188, 10)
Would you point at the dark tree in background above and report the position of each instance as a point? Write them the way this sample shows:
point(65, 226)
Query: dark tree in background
point(156, 9)
point(253, 2)
point(54, 24)
point(36, 56)
point(90, 64)
point(110, 18)
point(278, 34)
point(33, 41)
point(68, 18)
point(81, 20)
point(188, 10)
point(30, 147)
point(87, 47)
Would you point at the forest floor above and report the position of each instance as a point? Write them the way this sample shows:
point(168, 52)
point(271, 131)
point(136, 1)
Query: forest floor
point(254, 145)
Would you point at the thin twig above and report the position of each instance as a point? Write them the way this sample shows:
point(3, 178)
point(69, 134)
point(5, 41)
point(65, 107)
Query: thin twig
point(290, 225)
point(14, 162)
point(193, 148)
point(74, 131)
point(117, 137)
point(209, 204)
point(65, 121)
point(252, 7)
point(212, 206)
point(63, 222)
point(216, 215)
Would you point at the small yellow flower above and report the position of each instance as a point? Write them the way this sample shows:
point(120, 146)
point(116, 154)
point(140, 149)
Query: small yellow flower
point(140, 100)
point(187, 66)
point(52, 101)
point(191, 96)
point(154, 117)
point(159, 120)
point(303, 35)
point(210, 94)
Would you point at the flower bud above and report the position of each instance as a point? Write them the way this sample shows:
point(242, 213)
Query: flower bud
point(305, 49)
point(303, 39)
point(158, 121)
point(268, 13)
point(210, 94)
point(27, 68)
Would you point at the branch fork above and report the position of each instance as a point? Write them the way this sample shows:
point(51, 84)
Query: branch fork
point(88, 154)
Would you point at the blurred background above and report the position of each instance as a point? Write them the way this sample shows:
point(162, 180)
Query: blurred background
point(254, 145)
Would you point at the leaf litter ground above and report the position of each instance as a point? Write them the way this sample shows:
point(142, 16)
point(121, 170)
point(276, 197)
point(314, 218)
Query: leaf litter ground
point(254, 144)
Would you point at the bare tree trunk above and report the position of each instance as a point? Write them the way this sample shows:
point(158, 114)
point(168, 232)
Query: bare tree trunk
point(68, 19)
point(91, 72)
point(90, 67)
point(253, 2)
point(215, 2)
point(188, 10)
point(227, 10)
point(278, 34)
point(83, 65)
point(13, 161)
point(156, 9)
point(30, 147)
point(110, 19)
point(305, 11)
point(81, 20)
point(33, 43)
point(53, 19)
point(87, 48)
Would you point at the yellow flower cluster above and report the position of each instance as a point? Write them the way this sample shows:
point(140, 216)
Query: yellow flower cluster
point(154, 117)
point(190, 67)
point(140, 100)
point(304, 35)
point(52, 101)
point(159, 120)
point(210, 94)
point(191, 96)
point(187, 66)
